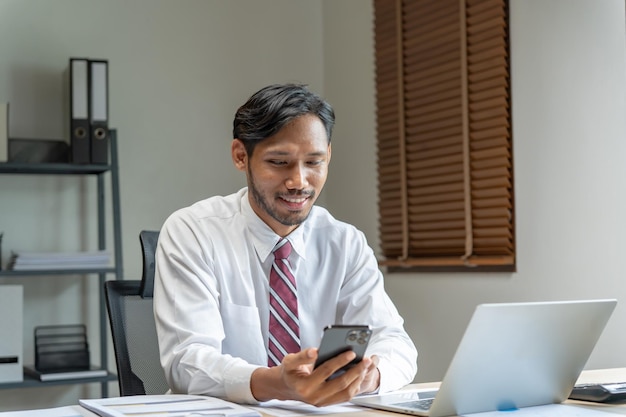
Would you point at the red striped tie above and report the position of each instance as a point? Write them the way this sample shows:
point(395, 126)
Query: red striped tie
point(284, 333)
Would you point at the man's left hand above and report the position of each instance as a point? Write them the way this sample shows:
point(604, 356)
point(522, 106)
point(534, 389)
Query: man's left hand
point(371, 382)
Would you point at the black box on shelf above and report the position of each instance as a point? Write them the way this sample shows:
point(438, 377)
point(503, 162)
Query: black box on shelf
point(38, 151)
point(61, 348)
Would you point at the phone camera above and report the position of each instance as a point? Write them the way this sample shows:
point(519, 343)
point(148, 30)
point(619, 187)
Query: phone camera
point(363, 336)
point(352, 336)
point(357, 336)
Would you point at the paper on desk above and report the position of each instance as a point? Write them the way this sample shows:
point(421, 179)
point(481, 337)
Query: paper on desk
point(550, 410)
point(172, 405)
point(68, 411)
point(279, 408)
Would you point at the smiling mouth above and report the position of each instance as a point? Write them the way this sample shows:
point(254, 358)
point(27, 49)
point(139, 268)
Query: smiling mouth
point(295, 202)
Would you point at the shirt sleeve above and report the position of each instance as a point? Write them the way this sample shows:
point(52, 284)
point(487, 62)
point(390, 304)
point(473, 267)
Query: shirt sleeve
point(188, 322)
point(363, 300)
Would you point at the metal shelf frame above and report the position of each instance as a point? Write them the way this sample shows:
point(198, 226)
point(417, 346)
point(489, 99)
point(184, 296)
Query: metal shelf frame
point(100, 171)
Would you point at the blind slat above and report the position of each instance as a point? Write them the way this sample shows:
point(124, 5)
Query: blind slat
point(427, 113)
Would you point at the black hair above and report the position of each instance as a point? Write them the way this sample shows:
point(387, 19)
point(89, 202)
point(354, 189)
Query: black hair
point(270, 109)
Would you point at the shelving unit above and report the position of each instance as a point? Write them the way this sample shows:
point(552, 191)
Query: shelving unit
point(100, 172)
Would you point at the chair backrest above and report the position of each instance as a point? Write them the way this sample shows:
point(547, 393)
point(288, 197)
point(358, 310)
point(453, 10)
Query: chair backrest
point(129, 304)
point(148, 240)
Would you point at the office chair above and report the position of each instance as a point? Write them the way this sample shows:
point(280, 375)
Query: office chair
point(129, 304)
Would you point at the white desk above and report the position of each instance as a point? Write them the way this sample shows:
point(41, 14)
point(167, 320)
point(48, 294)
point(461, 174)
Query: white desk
point(603, 375)
point(600, 375)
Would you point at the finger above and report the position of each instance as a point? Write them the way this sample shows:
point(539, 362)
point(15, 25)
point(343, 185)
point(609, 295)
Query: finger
point(341, 389)
point(371, 381)
point(354, 375)
point(372, 367)
point(332, 365)
point(304, 357)
point(320, 391)
point(300, 362)
point(375, 360)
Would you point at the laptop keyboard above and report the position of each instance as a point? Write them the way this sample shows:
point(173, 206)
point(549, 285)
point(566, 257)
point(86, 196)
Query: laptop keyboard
point(423, 404)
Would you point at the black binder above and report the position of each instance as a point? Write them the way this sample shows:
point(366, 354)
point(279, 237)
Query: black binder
point(99, 111)
point(4, 132)
point(79, 111)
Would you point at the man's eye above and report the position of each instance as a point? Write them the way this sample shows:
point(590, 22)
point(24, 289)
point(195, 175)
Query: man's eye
point(315, 163)
point(276, 162)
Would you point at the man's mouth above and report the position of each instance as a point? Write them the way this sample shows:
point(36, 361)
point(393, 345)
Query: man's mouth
point(295, 202)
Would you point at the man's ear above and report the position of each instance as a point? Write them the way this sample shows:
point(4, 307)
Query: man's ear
point(239, 155)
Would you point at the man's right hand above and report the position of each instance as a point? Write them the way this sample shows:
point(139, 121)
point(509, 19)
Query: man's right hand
point(295, 379)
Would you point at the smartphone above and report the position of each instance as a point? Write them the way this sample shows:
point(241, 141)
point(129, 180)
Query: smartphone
point(339, 338)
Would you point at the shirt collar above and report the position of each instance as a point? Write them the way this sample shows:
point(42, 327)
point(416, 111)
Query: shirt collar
point(263, 237)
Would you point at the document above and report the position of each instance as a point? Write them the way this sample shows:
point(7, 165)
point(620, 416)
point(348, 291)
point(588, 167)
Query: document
point(171, 405)
point(37, 261)
point(278, 408)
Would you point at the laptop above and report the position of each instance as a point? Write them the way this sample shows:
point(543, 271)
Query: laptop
point(512, 355)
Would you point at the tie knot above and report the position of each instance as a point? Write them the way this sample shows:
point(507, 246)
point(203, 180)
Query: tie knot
point(282, 249)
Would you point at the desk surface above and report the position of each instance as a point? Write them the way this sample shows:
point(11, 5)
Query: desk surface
point(599, 375)
point(602, 375)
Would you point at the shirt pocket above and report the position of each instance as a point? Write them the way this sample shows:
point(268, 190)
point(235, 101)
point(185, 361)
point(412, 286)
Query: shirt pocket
point(242, 333)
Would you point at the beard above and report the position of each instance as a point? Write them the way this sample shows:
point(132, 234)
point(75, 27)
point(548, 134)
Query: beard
point(290, 218)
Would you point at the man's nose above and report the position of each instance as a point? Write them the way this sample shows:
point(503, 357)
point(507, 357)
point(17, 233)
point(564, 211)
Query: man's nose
point(297, 178)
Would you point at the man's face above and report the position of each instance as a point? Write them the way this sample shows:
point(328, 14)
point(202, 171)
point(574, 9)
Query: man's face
point(286, 172)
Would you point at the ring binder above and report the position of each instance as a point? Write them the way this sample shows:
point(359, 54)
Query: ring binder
point(99, 111)
point(79, 111)
point(4, 131)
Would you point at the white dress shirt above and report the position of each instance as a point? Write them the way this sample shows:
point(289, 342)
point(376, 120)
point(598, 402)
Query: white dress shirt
point(211, 297)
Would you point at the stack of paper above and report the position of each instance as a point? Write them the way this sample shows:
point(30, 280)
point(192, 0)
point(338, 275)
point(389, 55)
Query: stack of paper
point(92, 372)
point(173, 405)
point(40, 261)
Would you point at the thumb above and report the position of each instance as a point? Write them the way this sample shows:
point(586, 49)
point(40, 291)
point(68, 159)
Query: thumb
point(311, 355)
point(304, 358)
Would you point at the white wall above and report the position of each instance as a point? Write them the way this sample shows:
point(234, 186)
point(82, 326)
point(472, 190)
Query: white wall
point(569, 137)
point(180, 69)
point(349, 84)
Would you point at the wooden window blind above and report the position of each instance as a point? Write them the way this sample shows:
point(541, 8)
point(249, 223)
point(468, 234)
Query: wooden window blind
point(445, 172)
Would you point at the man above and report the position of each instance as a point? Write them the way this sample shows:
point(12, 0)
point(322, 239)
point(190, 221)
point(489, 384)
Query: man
point(215, 262)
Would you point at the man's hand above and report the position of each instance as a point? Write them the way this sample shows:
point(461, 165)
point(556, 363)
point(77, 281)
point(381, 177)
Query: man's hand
point(371, 382)
point(295, 379)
